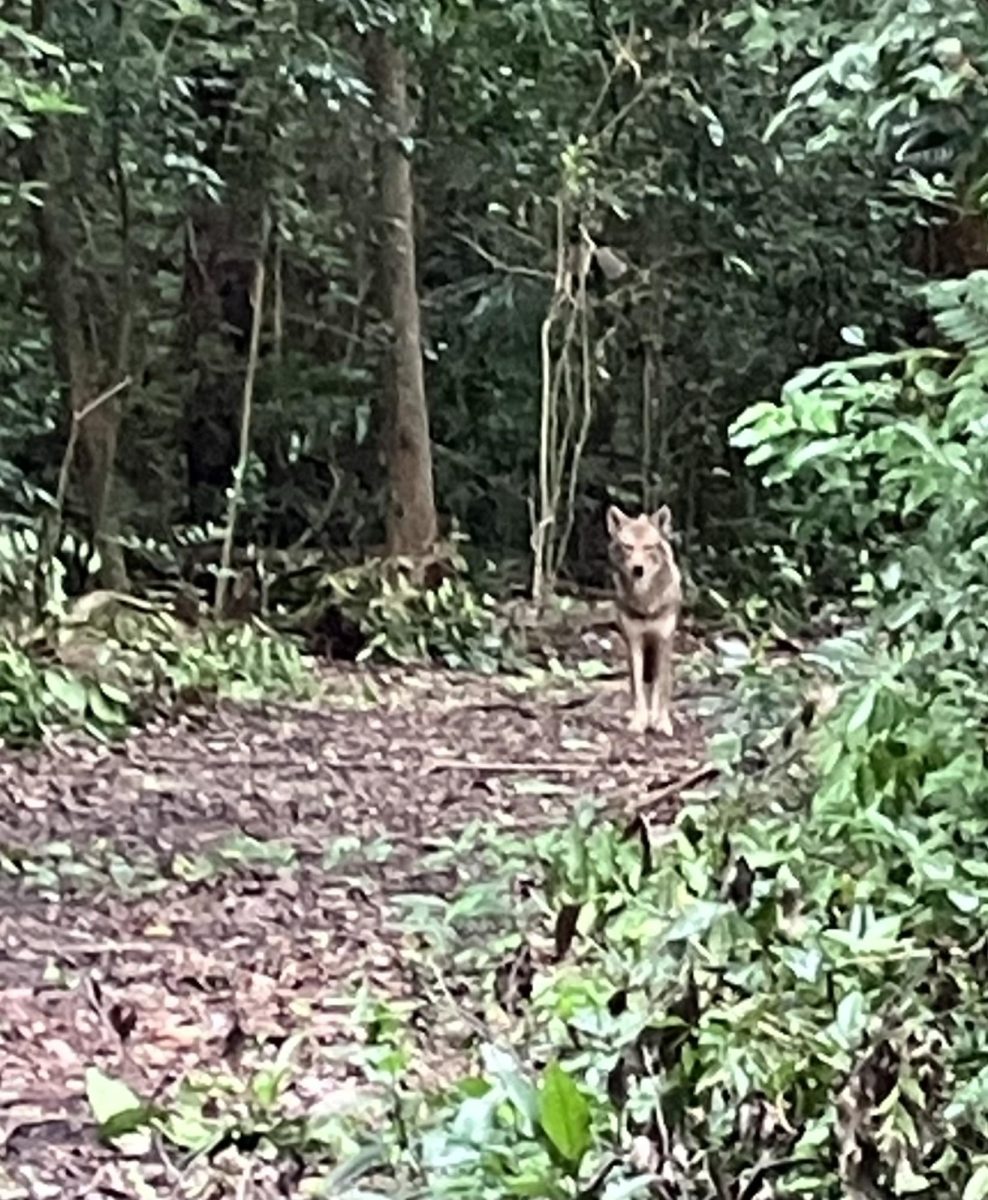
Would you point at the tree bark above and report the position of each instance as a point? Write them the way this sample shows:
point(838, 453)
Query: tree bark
point(94, 428)
point(77, 362)
point(411, 512)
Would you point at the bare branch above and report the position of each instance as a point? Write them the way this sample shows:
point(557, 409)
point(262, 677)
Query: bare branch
point(246, 415)
point(499, 264)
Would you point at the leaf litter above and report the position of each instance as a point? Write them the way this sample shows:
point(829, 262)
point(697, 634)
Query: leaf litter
point(239, 874)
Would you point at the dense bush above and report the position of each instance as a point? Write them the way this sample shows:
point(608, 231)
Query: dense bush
point(410, 611)
point(103, 681)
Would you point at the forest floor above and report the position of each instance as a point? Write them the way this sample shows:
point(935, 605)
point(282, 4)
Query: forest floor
point(232, 875)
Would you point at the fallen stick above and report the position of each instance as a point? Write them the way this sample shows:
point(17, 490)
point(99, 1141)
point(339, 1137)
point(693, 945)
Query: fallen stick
point(503, 767)
point(699, 775)
point(364, 764)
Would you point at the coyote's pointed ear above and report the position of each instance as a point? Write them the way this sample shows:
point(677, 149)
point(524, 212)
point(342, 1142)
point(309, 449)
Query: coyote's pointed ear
point(662, 520)
point(616, 520)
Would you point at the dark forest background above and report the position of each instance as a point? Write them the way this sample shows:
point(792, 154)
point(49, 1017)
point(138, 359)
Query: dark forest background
point(610, 254)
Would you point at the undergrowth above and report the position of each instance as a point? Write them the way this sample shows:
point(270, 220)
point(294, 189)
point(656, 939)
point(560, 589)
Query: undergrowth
point(104, 681)
point(780, 995)
point(411, 611)
point(784, 993)
point(103, 660)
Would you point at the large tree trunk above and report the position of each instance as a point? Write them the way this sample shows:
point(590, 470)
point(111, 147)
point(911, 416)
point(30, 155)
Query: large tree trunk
point(75, 341)
point(78, 362)
point(411, 512)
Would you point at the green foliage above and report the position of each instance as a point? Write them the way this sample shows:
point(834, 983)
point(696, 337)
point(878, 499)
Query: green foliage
point(22, 99)
point(61, 869)
point(885, 458)
point(787, 995)
point(649, 132)
point(211, 1110)
point(908, 71)
point(785, 989)
point(784, 993)
point(107, 679)
point(789, 988)
point(564, 1117)
point(960, 309)
point(240, 853)
point(35, 698)
point(405, 616)
point(240, 663)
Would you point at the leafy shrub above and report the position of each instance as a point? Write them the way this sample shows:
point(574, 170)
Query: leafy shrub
point(30, 582)
point(788, 998)
point(240, 662)
point(105, 678)
point(18, 551)
point(35, 697)
point(881, 461)
point(409, 611)
point(789, 994)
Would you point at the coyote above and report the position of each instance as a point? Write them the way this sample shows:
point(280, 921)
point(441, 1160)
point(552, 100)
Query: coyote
point(649, 594)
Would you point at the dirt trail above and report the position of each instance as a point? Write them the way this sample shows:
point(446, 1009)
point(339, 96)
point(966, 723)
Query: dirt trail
point(230, 874)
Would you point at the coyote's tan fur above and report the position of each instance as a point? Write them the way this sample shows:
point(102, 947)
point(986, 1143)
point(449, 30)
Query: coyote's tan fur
point(649, 596)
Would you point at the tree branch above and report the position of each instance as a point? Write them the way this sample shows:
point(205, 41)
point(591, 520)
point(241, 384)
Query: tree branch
point(246, 415)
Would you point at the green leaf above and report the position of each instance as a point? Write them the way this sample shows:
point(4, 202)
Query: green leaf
point(907, 1182)
point(103, 710)
point(474, 1121)
point(976, 1187)
point(964, 902)
point(851, 1017)
point(918, 435)
point(47, 103)
point(66, 690)
point(31, 41)
point(564, 1115)
point(505, 1071)
point(111, 1100)
point(696, 919)
point(805, 963)
point(929, 382)
point(817, 448)
point(752, 414)
point(862, 714)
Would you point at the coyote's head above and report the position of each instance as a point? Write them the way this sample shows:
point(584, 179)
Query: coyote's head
point(640, 550)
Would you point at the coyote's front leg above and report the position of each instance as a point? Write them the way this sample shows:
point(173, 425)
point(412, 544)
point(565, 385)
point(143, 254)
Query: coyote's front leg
point(638, 721)
point(660, 704)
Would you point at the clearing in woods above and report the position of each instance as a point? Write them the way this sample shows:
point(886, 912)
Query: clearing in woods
point(232, 875)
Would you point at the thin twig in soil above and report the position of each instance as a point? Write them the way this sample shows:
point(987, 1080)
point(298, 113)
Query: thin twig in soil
point(691, 779)
point(430, 765)
point(500, 766)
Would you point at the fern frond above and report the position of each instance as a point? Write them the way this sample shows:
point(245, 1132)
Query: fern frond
point(960, 309)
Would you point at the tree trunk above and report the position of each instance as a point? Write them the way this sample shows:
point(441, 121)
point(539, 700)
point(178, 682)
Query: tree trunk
point(78, 362)
point(411, 510)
